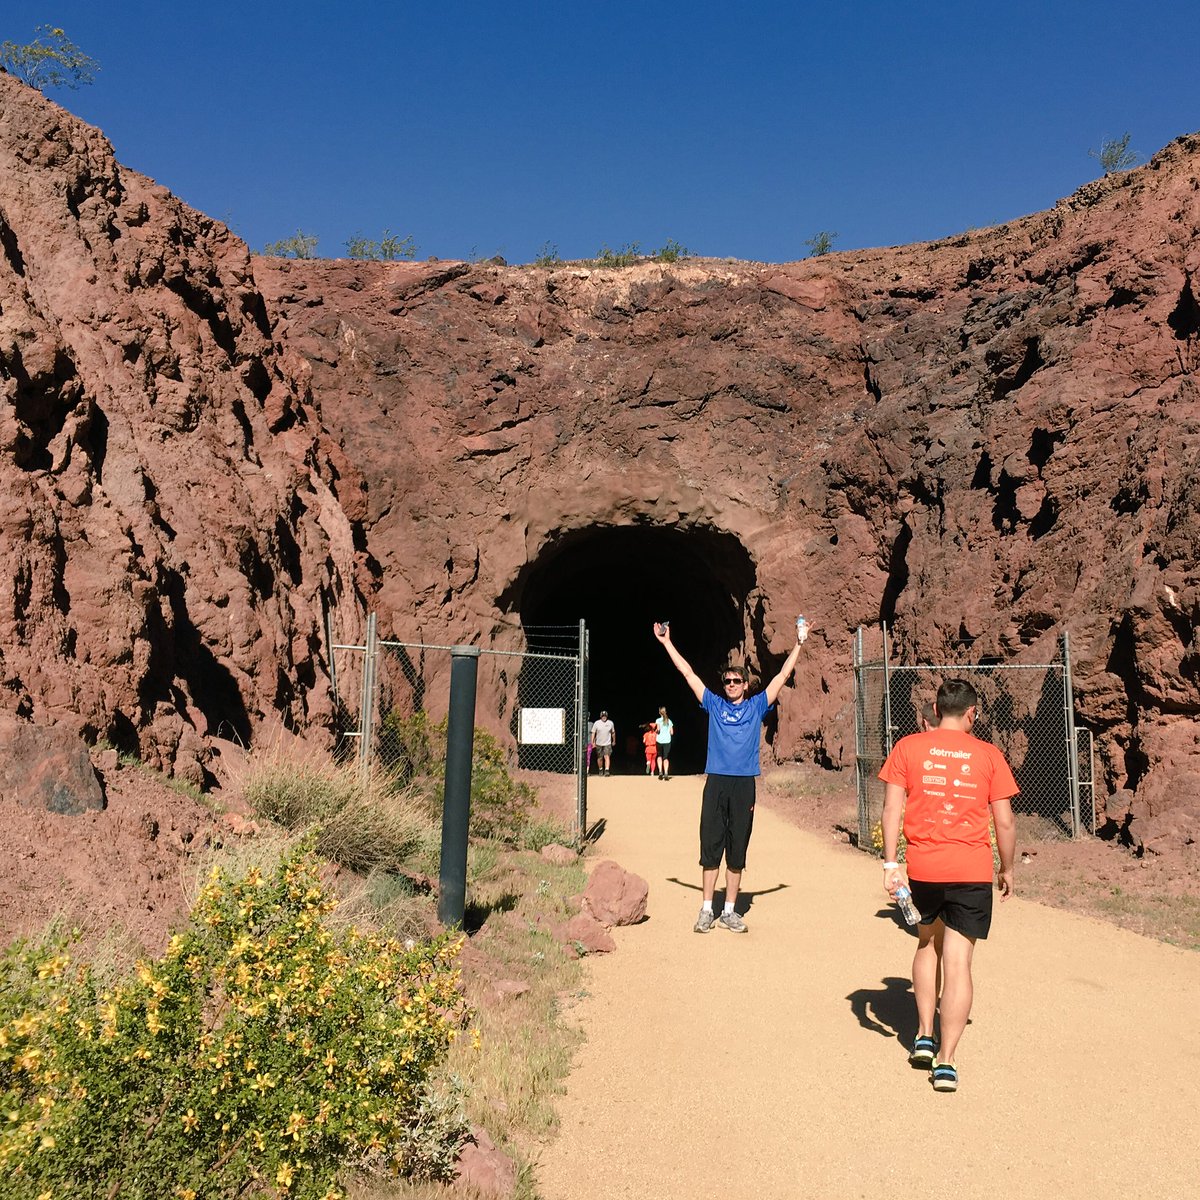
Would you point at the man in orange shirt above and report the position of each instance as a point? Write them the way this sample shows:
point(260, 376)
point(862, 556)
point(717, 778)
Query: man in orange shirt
point(944, 783)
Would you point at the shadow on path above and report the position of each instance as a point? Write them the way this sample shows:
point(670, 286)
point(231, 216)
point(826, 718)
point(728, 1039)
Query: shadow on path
point(892, 913)
point(889, 1011)
point(745, 900)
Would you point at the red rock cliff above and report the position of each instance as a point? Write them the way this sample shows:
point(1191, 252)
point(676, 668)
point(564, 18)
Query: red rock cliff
point(980, 441)
point(168, 512)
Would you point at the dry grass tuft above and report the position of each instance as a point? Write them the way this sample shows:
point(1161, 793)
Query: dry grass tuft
point(362, 822)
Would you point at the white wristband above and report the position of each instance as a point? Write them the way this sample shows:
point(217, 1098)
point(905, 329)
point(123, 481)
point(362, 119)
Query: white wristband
point(891, 866)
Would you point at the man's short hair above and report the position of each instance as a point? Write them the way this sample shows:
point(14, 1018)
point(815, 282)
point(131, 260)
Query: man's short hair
point(955, 696)
point(734, 669)
point(929, 714)
point(604, 712)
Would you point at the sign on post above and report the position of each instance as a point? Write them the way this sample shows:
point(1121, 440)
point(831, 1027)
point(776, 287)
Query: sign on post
point(542, 727)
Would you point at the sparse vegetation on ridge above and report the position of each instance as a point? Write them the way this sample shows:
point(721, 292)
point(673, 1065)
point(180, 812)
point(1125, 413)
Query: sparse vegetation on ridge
point(299, 245)
point(53, 62)
point(821, 243)
point(389, 248)
point(1115, 155)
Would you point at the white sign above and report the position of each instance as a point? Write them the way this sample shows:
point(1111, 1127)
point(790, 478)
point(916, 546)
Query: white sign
point(542, 727)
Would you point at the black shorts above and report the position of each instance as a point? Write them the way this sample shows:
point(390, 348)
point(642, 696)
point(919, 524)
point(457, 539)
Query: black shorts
point(964, 907)
point(726, 820)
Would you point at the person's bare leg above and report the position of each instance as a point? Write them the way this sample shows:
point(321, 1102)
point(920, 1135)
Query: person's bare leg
point(957, 990)
point(925, 970)
point(710, 882)
point(733, 881)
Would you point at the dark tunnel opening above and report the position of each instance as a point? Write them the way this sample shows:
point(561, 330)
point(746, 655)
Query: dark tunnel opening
point(620, 581)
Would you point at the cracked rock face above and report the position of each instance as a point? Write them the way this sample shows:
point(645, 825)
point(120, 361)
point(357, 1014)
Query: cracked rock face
point(168, 514)
point(980, 441)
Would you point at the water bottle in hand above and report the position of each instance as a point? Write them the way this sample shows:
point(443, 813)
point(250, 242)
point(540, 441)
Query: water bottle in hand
point(908, 911)
point(801, 627)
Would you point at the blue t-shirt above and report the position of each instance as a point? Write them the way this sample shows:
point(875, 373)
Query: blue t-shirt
point(734, 733)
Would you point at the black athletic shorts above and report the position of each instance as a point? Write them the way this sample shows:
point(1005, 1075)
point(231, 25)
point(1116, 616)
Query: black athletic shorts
point(964, 907)
point(726, 819)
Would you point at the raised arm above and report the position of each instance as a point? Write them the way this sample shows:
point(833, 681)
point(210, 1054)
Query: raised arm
point(681, 664)
point(789, 665)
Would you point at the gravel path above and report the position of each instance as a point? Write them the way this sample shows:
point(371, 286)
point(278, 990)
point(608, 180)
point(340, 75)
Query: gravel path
point(773, 1064)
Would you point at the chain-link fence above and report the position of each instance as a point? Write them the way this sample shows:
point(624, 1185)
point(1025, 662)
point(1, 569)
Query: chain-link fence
point(532, 702)
point(1026, 710)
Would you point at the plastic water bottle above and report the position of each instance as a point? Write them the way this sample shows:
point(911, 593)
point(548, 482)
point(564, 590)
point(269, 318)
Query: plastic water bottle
point(801, 627)
point(907, 909)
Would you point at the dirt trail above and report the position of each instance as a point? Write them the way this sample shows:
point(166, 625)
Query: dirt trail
point(773, 1064)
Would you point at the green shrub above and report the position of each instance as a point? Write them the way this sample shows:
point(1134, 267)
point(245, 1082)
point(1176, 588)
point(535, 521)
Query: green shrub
point(821, 243)
point(263, 1053)
point(671, 252)
point(547, 256)
point(625, 257)
point(1115, 155)
point(299, 245)
point(388, 249)
point(547, 832)
point(413, 752)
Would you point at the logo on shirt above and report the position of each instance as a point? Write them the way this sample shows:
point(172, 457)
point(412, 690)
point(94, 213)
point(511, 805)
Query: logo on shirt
point(934, 779)
point(928, 765)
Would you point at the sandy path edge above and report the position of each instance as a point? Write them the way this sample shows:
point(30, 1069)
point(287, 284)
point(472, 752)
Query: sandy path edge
point(773, 1064)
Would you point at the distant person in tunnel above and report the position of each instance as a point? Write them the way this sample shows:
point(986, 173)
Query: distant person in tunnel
point(650, 743)
point(664, 731)
point(603, 734)
point(727, 808)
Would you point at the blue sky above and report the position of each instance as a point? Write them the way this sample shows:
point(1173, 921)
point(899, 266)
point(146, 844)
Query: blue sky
point(736, 129)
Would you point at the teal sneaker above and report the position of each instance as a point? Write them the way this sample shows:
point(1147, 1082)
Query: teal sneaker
point(923, 1053)
point(945, 1077)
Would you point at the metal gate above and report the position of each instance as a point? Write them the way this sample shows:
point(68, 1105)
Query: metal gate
point(539, 694)
point(1027, 710)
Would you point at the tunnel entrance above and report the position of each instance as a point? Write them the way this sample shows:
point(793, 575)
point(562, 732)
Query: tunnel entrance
point(620, 581)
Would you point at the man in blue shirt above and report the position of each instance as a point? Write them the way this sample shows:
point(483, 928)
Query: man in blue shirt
point(727, 809)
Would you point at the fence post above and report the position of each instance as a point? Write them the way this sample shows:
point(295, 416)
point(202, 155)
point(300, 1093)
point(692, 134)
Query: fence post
point(860, 741)
point(887, 694)
point(1069, 729)
point(366, 717)
point(333, 684)
point(581, 736)
point(456, 803)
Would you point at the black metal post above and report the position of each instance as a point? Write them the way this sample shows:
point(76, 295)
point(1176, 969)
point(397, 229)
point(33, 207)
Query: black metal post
point(456, 804)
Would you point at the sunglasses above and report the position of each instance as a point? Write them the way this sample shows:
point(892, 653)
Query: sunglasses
point(732, 679)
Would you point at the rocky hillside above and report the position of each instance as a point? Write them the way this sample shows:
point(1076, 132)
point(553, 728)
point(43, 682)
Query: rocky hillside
point(980, 442)
point(169, 508)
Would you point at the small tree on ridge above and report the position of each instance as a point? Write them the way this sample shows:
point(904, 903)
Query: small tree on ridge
point(57, 62)
point(1115, 155)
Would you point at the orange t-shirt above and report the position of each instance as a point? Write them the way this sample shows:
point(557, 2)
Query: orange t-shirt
point(951, 779)
point(650, 740)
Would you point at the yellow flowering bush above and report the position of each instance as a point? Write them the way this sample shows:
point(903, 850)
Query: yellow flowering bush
point(261, 1054)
